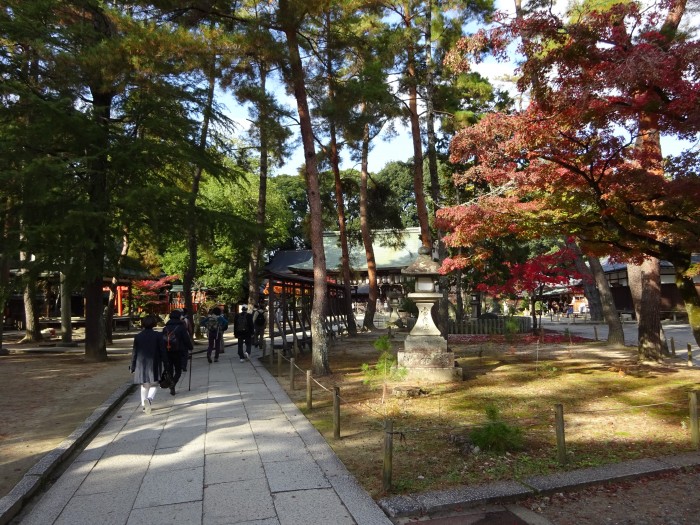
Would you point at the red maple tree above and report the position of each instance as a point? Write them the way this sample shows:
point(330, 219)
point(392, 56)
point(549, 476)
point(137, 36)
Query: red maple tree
point(584, 157)
point(531, 277)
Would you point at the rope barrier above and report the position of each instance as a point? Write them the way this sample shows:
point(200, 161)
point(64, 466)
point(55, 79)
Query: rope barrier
point(321, 385)
point(359, 406)
point(622, 409)
point(350, 404)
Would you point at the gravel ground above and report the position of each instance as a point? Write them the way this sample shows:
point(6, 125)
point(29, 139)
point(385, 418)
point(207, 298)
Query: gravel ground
point(662, 499)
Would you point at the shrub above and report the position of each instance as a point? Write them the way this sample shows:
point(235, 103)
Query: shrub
point(496, 435)
point(512, 327)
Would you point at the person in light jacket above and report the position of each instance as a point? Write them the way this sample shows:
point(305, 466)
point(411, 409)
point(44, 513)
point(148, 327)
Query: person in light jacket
point(147, 359)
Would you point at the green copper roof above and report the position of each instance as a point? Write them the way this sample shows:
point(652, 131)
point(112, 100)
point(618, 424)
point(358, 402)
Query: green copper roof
point(387, 254)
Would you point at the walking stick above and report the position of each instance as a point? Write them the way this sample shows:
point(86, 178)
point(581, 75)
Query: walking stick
point(189, 387)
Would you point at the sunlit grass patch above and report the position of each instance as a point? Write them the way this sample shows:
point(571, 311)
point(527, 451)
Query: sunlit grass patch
point(614, 409)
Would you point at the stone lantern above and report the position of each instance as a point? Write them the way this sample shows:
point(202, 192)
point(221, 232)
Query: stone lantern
point(425, 354)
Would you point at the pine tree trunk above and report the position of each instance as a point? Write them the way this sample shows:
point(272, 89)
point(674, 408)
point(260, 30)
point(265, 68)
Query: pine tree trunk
point(371, 308)
point(319, 350)
point(421, 206)
point(259, 241)
point(66, 325)
point(191, 213)
point(344, 251)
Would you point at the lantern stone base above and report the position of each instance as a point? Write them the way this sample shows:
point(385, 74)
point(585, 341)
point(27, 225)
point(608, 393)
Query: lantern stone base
point(427, 358)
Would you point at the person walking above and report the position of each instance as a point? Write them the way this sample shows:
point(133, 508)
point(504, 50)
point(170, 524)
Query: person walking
point(187, 321)
point(147, 359)
point(243, 330)
point(178, 346)
point(259, 323)
point(215, 325)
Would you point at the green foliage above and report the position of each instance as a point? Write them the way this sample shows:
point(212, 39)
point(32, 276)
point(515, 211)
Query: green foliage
point(395, 191)
point(387, 368)
point(512, 327)
point(497, 436)
point(227, 231)
point(408, 305)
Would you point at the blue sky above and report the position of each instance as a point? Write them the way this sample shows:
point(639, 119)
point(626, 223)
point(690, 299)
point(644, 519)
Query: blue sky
point(399, 147)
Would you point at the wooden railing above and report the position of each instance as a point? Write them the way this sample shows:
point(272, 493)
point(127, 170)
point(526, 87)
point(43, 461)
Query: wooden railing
point(489, 326)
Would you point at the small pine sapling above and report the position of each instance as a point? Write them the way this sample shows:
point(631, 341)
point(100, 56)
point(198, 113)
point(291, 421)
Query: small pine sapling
point(386, 369)
point(496, 435)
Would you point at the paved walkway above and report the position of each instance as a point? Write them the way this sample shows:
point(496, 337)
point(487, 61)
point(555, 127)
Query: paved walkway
point(234, 449)
point(680, 332)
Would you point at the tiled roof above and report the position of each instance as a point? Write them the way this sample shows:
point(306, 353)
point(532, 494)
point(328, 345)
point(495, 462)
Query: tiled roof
point(390, 252)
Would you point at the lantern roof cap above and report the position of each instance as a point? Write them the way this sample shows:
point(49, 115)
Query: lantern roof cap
point(423, 264)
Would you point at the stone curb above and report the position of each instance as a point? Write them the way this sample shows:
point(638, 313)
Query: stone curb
point(36, 477)
point(510, 491)
point(357, 501)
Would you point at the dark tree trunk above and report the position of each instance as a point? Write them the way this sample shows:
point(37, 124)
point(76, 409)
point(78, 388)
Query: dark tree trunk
point(5, 221)
point(32, 332)
point(634, 282)
point(651, 344)
point(590, 288)
point(66, 325)
point(459, 290)
point(192, 238)
point(98, 202)
point(616, 335)
point(689, 293)
point(114, 283)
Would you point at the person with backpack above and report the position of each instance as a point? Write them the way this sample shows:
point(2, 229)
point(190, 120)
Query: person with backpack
point(215, 325)
point(178, 346)
point(259, 323)
point(243, 330)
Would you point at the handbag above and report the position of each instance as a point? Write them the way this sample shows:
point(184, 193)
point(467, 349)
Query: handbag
point(166, 379)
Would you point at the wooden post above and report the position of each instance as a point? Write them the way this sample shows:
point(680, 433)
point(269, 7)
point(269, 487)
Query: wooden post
point(673, 346)
point(336, 412)
point(690, 355)
point(559, 426)
point(694, 428)
point(388, 454)
point(595, 332)
point(279, 364)
point(291, 373)
point(308, 390)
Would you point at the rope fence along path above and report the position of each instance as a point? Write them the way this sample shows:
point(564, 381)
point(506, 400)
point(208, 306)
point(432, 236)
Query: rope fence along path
point(384, 424)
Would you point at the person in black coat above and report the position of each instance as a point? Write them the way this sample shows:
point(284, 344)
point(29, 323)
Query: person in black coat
point(178, 346)
point(243, 329)
point(147, 358)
